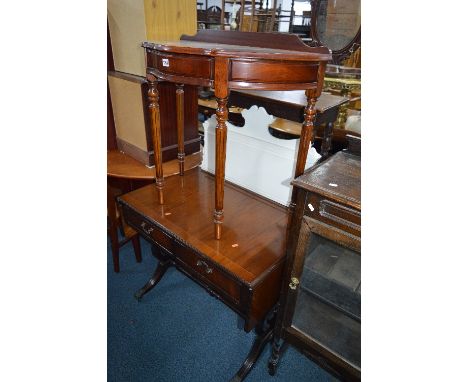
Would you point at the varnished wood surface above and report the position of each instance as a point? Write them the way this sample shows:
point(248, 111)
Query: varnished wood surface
point(120, 165)
point(235, 60)
point(254, 229)
point(294, 128)
point(338, 178)
point(224, 43)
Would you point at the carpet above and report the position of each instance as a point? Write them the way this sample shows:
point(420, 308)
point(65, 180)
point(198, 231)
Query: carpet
point(178, 332)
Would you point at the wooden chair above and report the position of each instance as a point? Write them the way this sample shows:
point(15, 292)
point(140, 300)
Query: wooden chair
point(114, 224)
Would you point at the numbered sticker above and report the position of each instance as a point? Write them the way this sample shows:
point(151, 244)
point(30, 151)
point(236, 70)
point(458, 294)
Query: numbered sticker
point(165, 62)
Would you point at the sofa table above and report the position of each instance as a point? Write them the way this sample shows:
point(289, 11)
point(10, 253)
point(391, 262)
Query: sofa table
point(241, 262)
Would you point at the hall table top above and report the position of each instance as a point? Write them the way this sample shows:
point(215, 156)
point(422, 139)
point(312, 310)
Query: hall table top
point(226, 60)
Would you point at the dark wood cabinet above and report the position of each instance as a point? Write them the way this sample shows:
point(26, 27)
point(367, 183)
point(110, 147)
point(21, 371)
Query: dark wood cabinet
point(320, 305)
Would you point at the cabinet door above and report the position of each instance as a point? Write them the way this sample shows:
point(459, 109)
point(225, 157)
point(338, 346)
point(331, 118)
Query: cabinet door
point(325, 290)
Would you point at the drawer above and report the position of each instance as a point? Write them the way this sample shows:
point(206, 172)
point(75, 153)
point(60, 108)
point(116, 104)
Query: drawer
point(219, 278)
point(333, 213)
point(181, 65)
point(186, 257)
point(150, 229)
point(273, 72)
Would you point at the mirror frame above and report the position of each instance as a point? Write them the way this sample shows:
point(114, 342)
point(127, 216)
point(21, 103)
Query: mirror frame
point(337, 55)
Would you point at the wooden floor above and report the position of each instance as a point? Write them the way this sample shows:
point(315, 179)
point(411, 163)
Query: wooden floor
point(254, 229)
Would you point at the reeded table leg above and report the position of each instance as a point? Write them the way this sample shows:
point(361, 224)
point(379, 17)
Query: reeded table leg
point(221, 136)
point(180, 127)
point(153, 105)
point(221, 94)
point(307, 133)
point(307, 136)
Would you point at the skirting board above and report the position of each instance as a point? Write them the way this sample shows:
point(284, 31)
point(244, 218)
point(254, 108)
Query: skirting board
point(256, 160)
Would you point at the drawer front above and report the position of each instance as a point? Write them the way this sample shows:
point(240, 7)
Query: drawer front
point(144, 226)
point(181, 65)
point(216, 277)
point(333, 213)
point(273, 72)
point(208, 271)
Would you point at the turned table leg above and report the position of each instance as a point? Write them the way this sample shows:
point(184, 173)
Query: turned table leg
point(221, 136)
point(180, 127)
point(221, 94)
point(153, 105)
point(307, 136)
point(307, 132)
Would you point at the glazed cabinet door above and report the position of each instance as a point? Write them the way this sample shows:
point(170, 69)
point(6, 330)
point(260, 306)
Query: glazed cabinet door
point(323, 305)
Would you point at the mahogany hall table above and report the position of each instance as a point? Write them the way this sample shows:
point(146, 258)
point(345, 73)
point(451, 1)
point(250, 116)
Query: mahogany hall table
point(242, 263)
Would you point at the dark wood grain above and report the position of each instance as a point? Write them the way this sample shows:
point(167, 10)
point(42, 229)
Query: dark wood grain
point(153, 106)
point(344, 171)
point(250, 252)
point(241, 266)
point(180, 127)
point(328, 205)
point(273, 41)
point(121, 165)
point(113, 226)
point(253, 61)
point(272, 72)
point(169, 136)
point(257, 226)
point(221, 94)
point(307, 134)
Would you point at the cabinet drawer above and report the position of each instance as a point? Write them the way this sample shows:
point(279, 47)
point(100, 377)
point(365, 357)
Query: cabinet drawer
point(188, 258)
point(150, 229)
point(208, 270)
point(181, 65)
point(273, 71)
point(333, 213)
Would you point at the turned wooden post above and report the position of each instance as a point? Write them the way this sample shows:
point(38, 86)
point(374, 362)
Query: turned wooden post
point(221, 94)
point(153, 105)
point(307, 132)
point(180, 127)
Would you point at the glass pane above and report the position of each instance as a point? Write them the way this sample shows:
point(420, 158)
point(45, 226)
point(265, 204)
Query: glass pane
point(338, 21)
point(328, 307)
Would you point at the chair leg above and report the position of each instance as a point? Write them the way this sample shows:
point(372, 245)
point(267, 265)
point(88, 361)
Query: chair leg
point(115, 248)
point(136, 247)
